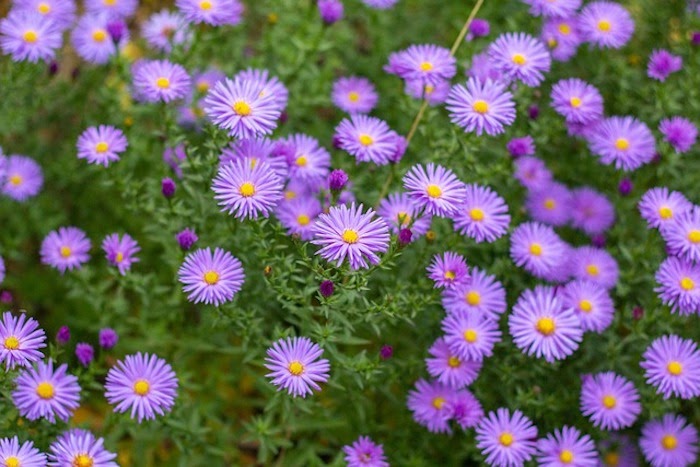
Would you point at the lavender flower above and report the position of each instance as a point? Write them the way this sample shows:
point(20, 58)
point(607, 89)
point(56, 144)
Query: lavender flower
point(610, 401)
point(80, 448)
point(672, 366)
point(532, 172)
point(481, 106)
point(44, 393)
point(30, 36)
point(92, 41)
point(364, 453)
point(506, 439)
point(85, 353)
point(679, 132)
point(679, 285)
point(14, 454)
point(120, 252)
point(186, 238)
point(435, 188)
point(165, 29)
point(246, 191)
point(299, 216)
point(212, 12)
point(354, 94)
point(212, 278)
point(478, 294)
point(160, 81)
point(108, 338)
point(624, 142)
point(518, 147)
point(331, 11)
point(399, 211)
point(428, 64)
point(669, 441)
point(295, 366)
point(23, 178)
point(553, 8)
point(368, 139)
point(521, 57)
point(682, 236)
point(20, 341)
point(662, 63)
point(591, 211)
point(606, 24)
point(308, 160)
point(537, 248)
point(448, 368)
point(448, 270)
point(483, 215)
point(659, 206)
point(101, 145)
point(567, 446)
point(550, 204)
point(577, 101)
point(65, 249)
point(591, 303)
point(430, 405)
point(471, 336)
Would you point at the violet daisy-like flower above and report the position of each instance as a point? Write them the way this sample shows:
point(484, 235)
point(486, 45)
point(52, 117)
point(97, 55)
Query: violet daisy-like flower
point(542, 326)
point(481, 106)
point(591, 211)
point(682, 236)
point(483, 68)
point(308, 160)
point(435, 189)
point(65, 249)
point(466, 409)
point(346, 232)
point(591, 303)
point(380, 4)
point(295, 366)
point(44, 393)
point(669, 441)
point(211, 278)
point(354, 94)
point(20, 341)
point(448, 368)
point(595, 265)
point(553, 8)
point(551, 204)
point(92, 41)
point(426, 63)
point(518, 147)
point(101, 145)
point(120, 252)
point(479, 294)
point(271, 85)
point(448, 270)
point(213, 12)
point(160, 81)
point(365, 453)
point(606, 24)
point(430, 404)
point(659, 206)
point(299, 215)
point(679, 132)
point(520, 56)
point(610, 401)
point(23, 178)
point(532, 172)
point(256, 150)
point(143, 384)
point(14, 454)
point(61, 12)
point(577, 101)
point(662, 63)
point(567, 447)
point(165, 29)
point(537, 249)
point(27, 35)
point(114, 8)
point(400, 211)
point(246, 191)
point(483, 216)
point(679, 285)
point(368, 139)
point(624, 142)
point(618, 451)
point(561, 34)
point(672, 366)
point(506, 439)
point(436, 94)
point(80, 448)
point(471, 336)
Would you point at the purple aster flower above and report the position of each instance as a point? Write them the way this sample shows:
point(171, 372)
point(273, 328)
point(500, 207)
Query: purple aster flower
point(505, 439)
point(561, 34)
point(165, 29)
point(246, 191)
point(567, 446)
point(114, 8)
point(308, 160)
point(348, 232)
point(142, 383)
point(542, 326)
point(577, 101)
point(679, 285)
point(520, 56)
point(85, 353)
point(466, 409)
point(618, 451)
point(213, 12)
point(553, 8)
point(682, 236)
point(532, 172)
point(101, 145)
point(550, 204)
point(80, 448)
point(435, 94)
point(380, 4)
point(120, 252)
point(606, 24)
point(365, 453)
point(368, 139)
point(448, 368)
point(270, 85)
point(295, 366)
point(471, 336)
point(399, 211)
point(426, 63)
point(212, 278)
point(591, 303)
point(659, 206)
point(14, 454)
point(63, 335)
point(354, 94)
point(20, 340)
point(669, 441)
point(479, 27)
point(44, 393)
point(299, 216)
point(518, 147)
point(186, 238)
point(483, 216)
point(160, 81)
point(662, 63)
point(331, 11)
point(435, 189)
point(27, 35)
point(610, 401)
point(91, 39)
point(591, 211)
point(537, 248)
point(672, 366)
point(595, 265)
point(624, 142)
point(61, 12)
point(479, 294)
point(680, 133)
point(108, 338)
point(65, 249)
point(430, 404)
point(483, 68)
point(448, 270)
point(481, 106)
point(258, 149)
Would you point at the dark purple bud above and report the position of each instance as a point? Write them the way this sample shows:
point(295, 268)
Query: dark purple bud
point(479, 28)
point(116, 28)
point(533, 112)
point(386, 352)
point(656, 159)
point(85, 353)
point(637, 313)
point(695, 38)
point(625, 187)
point(186, 238)
point(331, 11)
point(284, 116)
point(53, 68)
point(63, 335)
point(524, 146)
point(337, 144)
point(168, 187)
point(108, 338)
point(6, 296)
point(327, 288)
point(75, 73)
point(405, 236)
point(598, 240)
point(337, 180)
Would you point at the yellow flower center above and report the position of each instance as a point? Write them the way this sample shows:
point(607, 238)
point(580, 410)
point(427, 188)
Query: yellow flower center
point(453, 362)
point(566, 456)
point(434, 191)
point(426, 66)
point(99, 35)
point(473, 298)
point(119, 258)
point(30, 36)
point(350, 236)
point(438, 402)
point(302, 161)
point(211, 277)
point(665, 212)
point(109, 2)
point(404, 218)
point(16, 180)
point(289, 194)
point(303, 219)
point(480, 106)
point(101, 147)
point(545, 326)
point(65, 251)
point(585, 305)
point(604, 25)
point(575, 102)
point(141, 387)
point(506, 439)
point(205, 5)
point(476, 214)
point(163, 82)
point(592, 270)
point(202, 86)
point(519, 59)
point(687, 283)
point(450, 275)
point(470, 336)
point(12, 343)
point(669, 442)
point(45, 390)
point(549, 204)
point(12, 461)
point(694, 236)
point(242, 108)
point(622, 144)
point(353, 96)
point(246, 189)
point(82, 460)
point(535, 249)
point(564, 29)
point(675, 368)
point(365, 140)
point(43, 8)
point(612, 459)
point(429, 89)
point(609, 402)
point(296, 368)
point(552, 42)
